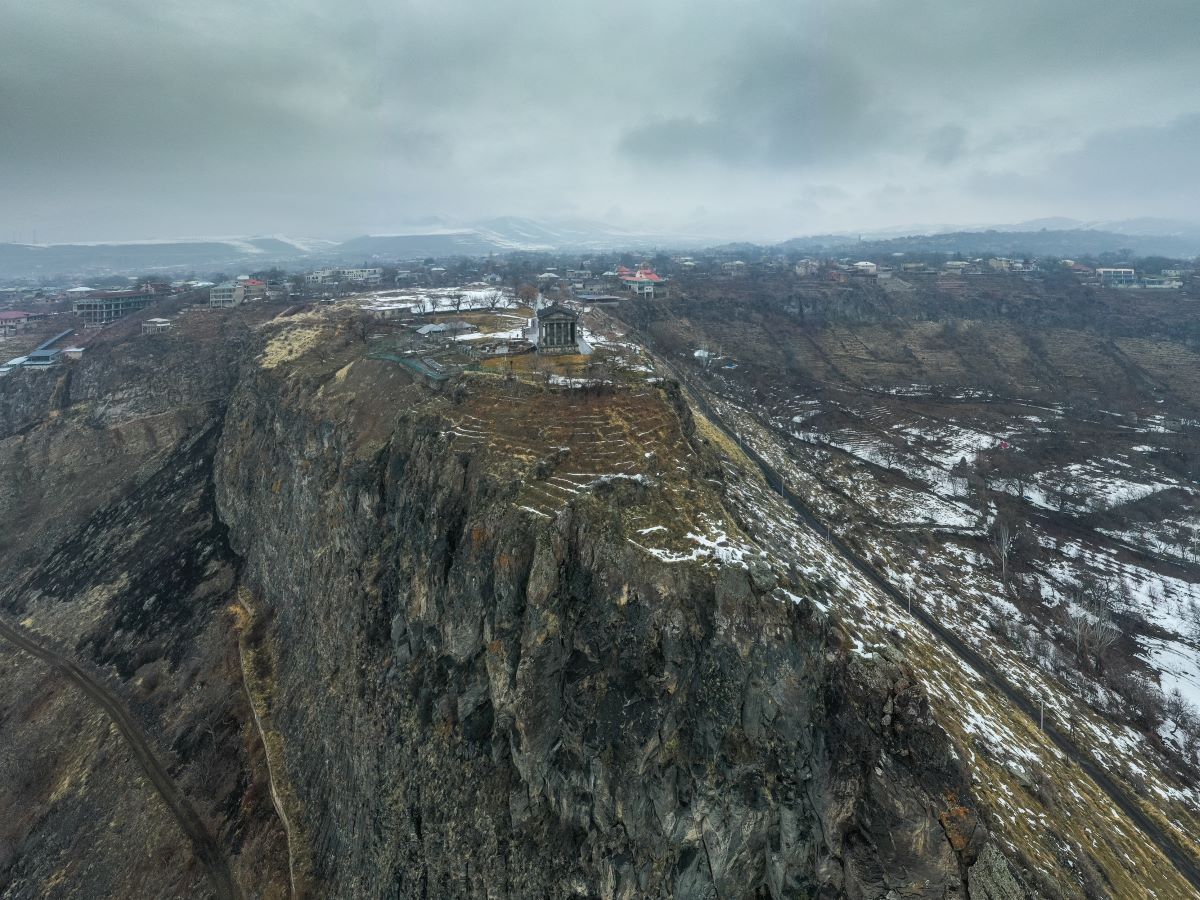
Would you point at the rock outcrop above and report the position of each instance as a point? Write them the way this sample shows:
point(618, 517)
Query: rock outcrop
point(464, 694)
point(478, 701)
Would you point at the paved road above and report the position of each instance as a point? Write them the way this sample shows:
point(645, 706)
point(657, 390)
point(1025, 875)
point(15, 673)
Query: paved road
point(203, 843)
point(1186, 864)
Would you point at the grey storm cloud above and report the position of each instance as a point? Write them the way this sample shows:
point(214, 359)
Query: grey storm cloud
point(1118, 172)
point(785, 105)
point(143, 118)
point(947, 144)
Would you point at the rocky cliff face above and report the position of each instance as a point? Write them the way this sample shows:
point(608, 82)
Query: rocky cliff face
point(74, 439)
point(27, 398)
point(399, 643)
point(112, 556)
point(477, 700)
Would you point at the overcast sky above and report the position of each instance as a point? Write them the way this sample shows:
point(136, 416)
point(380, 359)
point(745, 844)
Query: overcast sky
point(124, 119)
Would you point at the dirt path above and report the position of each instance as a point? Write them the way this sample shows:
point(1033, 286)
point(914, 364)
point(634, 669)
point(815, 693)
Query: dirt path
point(1185, 864)
point(203, 843)
point(276, 796)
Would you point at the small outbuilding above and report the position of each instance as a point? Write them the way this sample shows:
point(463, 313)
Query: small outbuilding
point(156, 326)
point(43, 359)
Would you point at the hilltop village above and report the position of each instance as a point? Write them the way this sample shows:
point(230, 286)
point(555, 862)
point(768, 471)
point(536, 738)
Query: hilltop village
point(46, 325)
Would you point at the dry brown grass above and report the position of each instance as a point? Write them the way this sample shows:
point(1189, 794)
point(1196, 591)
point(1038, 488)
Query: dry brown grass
point(560, 441)
point(291, 343)
point(568, 365)
point(1168, 362)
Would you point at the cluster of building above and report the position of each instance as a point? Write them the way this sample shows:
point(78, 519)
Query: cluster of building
point(840, 271)
point(438, 350)
point(369, 277)
point(641, 282)
point(234, 293)
point(1127, 277)
point(44, 356)
point(91, 308)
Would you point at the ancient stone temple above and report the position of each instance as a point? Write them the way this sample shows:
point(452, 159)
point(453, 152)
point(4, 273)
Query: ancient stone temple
point(557, 330)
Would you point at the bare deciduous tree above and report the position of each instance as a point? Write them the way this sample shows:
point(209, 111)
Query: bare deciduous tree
point(602, 369)
point(960, 477)
point(527, 293)
point(1092, 626)
point(1191, 618)
point(1002, 538)
point(1063, 495)
point(361, 327)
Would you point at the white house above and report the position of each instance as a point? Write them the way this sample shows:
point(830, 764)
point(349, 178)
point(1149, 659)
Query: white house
point(156, 326)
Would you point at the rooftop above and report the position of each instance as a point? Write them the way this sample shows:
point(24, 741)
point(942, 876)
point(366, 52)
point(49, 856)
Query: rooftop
point(556, 309)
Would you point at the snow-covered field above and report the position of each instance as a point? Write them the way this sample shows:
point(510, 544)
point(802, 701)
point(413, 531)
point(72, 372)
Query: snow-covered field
point(1091, 486)
point(953, 573)
point(420, 301)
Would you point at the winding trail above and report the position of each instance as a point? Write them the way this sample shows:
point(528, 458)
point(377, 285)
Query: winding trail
point(1184, 862)
point(276, 797)
point(204, 845)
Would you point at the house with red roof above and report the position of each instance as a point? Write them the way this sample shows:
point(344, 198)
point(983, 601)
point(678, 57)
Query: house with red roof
point(645, 282)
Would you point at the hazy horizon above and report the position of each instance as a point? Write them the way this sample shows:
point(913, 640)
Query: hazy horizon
point(130, 120)
point(1137, 226)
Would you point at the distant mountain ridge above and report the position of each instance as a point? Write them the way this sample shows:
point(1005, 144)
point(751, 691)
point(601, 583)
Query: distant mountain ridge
point(491, 236)
point(1014, 241)
point(143, 257)
point(508, 234)
point(1142, 226)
